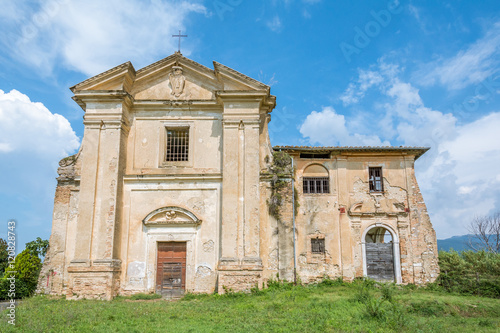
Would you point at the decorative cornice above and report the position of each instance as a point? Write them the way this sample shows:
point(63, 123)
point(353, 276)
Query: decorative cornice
point(176, 57)
point(241, 94)
point(182, 105)
point(82, 97)
point(348, 150)
point(222, 69)
point(373, 214)
point(169, 177)
point(109, 74)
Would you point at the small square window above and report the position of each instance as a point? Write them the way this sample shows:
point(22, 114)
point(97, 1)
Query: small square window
point(177, 145)
point(318, 245)
point(376, 179)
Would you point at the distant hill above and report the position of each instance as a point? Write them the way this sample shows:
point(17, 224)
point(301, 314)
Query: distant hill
point(457, 243)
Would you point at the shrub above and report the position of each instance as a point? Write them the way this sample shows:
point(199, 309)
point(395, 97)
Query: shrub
point(329, 282)
point(4, 256)
point(388, 291)
point(374, 308)
point(468, 272)
point(363, 293)
point(22, 289)
point(26, 270)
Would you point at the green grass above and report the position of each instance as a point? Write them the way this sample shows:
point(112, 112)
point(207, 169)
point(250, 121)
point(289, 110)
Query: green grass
point(328, 307)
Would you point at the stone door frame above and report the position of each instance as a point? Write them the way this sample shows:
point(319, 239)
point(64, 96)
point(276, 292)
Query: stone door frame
point(395, 250)
point(157, 235)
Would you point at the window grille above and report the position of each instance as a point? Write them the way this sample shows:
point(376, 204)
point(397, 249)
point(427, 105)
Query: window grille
point(376, 183)
point(177, 145)
point(317, 245)
point(316, 185)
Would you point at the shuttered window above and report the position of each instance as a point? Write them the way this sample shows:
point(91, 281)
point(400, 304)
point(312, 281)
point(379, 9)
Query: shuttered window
point(376, 180)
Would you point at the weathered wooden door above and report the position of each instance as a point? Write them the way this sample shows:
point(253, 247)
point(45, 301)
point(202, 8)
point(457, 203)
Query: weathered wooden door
point(380, 261)
point(171, 269)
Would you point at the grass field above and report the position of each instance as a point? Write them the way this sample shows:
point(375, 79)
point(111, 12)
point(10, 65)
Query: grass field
point(328, 307)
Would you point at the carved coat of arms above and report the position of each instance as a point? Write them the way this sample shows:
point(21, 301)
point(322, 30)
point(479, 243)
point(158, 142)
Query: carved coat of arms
point(177, 81)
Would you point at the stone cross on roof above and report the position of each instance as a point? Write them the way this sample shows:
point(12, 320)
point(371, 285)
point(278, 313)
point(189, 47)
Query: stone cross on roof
point(180, 36)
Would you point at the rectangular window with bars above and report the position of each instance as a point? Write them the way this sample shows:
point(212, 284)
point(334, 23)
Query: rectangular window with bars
point(375, 179)
point(177, 144)
point(318, 245)
point(316, 185)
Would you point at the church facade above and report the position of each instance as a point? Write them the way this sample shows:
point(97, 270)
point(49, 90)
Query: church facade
point(170, 192)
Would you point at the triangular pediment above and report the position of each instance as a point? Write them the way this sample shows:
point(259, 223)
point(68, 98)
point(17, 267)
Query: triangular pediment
point(175, 78)
point(172, 78)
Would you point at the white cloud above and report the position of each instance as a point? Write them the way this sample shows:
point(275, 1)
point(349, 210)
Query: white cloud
point(92, 36)
point(459, 177)
point(469, 66)
point(32, 141)
point(275, 24)
point(30, 127)
point(356, 91)
point(461, 180)
point(411, 121)
point(328, 128)
point(476, 149)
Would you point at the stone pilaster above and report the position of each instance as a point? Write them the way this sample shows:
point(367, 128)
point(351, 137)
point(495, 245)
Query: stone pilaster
point(96, 251)
point(240, 265)
point(346, 241)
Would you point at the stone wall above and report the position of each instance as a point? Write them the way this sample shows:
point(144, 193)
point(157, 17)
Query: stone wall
point(53, 277)
point(422, 236)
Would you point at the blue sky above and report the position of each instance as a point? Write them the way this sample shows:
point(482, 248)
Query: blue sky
point(418, 73)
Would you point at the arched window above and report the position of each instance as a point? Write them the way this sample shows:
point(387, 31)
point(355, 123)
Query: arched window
point(315, 179)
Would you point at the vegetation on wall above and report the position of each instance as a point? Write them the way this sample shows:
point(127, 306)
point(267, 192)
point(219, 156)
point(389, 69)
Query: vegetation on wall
point(280, 171)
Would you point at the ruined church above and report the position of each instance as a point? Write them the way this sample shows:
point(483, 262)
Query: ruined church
point(172, 187)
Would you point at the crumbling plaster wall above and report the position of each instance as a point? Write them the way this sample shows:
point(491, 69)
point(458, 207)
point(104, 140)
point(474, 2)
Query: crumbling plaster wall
point(139, 254)
point(319, 216)
point(53, 277)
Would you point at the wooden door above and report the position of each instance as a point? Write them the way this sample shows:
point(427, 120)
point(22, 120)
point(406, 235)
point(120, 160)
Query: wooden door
point(171, 268)
point(380, 261)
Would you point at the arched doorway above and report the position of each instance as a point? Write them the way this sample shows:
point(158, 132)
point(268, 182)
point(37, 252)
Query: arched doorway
point(381, 254)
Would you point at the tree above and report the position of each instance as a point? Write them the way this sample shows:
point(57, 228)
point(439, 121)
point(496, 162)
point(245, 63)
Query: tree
point(485, 233)
point(4, 256)
point(25, 270)
point(38, 247)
